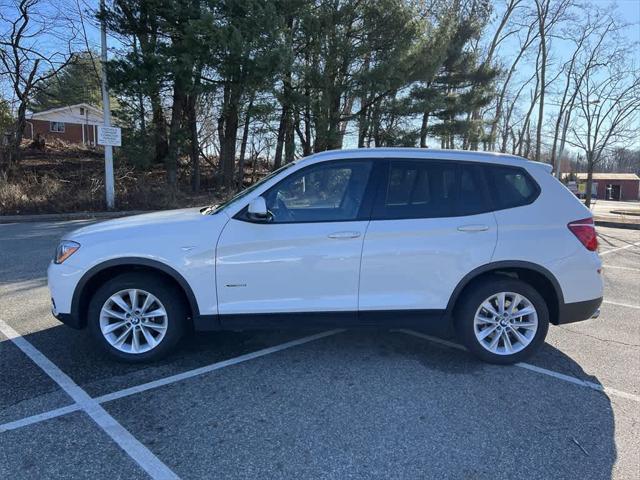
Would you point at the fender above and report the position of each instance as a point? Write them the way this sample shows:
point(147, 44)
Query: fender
point(135, 261)
point(503, 265)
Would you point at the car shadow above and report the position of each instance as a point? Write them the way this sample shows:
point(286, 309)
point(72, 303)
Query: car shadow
point(547, 421)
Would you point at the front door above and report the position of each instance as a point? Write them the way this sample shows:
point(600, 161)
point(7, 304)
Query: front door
point(306, 257)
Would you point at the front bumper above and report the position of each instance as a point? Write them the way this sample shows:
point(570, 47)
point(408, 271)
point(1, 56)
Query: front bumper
point(578, 311)
point(68, 319)
point(62, 280)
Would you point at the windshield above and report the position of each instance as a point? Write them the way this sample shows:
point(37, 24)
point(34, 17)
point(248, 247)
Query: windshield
point(213, 209)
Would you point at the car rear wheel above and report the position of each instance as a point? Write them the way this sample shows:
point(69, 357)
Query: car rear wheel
point(502, 320)
point(137, 317)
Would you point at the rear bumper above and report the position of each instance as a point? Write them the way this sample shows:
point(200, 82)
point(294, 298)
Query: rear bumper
point(578, 311)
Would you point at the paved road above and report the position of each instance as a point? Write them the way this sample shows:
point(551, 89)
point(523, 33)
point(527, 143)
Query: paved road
point(603, 212)
point(353, 404)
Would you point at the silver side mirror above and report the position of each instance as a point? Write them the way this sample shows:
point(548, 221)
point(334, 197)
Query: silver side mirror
point(258, 209)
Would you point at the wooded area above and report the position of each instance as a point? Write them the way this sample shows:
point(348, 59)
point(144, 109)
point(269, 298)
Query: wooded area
point(223, 83)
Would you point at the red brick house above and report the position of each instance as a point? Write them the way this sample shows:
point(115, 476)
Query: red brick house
point(614, 186)
point(73, 124)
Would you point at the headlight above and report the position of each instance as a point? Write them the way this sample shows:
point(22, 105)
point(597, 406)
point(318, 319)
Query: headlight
point(65, 249)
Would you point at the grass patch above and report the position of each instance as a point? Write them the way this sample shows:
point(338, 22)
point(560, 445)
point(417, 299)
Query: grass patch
point(52, 184)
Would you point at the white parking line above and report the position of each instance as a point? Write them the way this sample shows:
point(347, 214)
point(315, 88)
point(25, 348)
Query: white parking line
point(23, 422)
point(620, 248)
point(131, 446)
point(214, 366)
point(621, 304)
point(577, 381)
point(534, 368)
point(41, 417)
point(607, 266)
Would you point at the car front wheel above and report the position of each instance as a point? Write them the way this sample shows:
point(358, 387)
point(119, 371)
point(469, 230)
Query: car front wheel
point(502, 320)
point(136, 317)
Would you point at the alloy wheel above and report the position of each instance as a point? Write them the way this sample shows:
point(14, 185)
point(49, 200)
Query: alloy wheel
point(133, 321)
point(505, 323)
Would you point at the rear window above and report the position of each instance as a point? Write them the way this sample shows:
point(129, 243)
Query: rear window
point(511, 187)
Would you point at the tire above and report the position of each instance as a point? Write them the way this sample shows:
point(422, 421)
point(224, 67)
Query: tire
point(524, 334)
point(157, 334)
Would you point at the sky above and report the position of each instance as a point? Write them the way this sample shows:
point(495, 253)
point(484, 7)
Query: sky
point(626, 10)
point(630, 9)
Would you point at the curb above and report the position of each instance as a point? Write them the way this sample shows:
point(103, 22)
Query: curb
point(628, 226)
point(60, 217)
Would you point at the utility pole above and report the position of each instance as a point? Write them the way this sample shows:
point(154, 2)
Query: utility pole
point(106, 107)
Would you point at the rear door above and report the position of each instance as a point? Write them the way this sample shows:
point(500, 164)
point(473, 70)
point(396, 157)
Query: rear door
point(431, 224)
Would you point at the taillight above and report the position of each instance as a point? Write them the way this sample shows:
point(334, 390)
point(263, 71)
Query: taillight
point(585, 231)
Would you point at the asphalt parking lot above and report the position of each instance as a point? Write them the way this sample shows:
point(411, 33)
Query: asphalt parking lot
point(317, 404)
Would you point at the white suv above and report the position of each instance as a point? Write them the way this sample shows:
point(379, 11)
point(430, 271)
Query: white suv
point(492, 246)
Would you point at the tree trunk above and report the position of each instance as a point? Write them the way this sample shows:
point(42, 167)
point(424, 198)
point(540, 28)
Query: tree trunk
point(140, 92)
point(159, 126)
point(375, 122)
point(220, 129)
point(423, 130)
point(277, 161)
point(177, 114)
point(289, 139)
point(542, 69)
point(587, 193)
point(228, 147)
point(254, 169)
point(308, 147)
point(18, 133)
point(363, 124)
point(243, 144)
point(194, 151)
point(334, 140)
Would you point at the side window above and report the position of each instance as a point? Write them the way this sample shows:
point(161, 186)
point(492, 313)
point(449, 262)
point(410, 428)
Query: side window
point(511, 187)
point(56, 127)
point(327, 192)
point(472, 198)
point(417, 190)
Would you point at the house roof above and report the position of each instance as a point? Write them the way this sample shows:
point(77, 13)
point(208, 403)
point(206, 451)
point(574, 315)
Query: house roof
point(609, 176)
point(71, 114)
point(66, 109)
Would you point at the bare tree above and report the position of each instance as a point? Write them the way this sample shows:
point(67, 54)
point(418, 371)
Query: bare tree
point(525, 43)
point(589, 40)
point(499, 36)
point(608, 104)
point(550, 12)
point(36, 42)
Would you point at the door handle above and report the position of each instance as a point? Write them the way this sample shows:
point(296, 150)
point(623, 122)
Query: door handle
point(473, 228)
point(344, 235)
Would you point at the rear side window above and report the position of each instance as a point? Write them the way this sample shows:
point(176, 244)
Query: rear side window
point(417, 190)
point(511, 187)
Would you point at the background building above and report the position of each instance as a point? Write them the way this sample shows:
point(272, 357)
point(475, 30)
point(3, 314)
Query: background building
point(74, 124)
point(613, 186)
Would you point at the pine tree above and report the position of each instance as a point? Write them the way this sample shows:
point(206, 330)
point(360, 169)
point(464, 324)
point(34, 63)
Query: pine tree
point(78, 82)
point(462, 85)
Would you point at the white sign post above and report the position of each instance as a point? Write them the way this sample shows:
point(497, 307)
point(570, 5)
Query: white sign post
point(109, 136)
point(108, 148)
